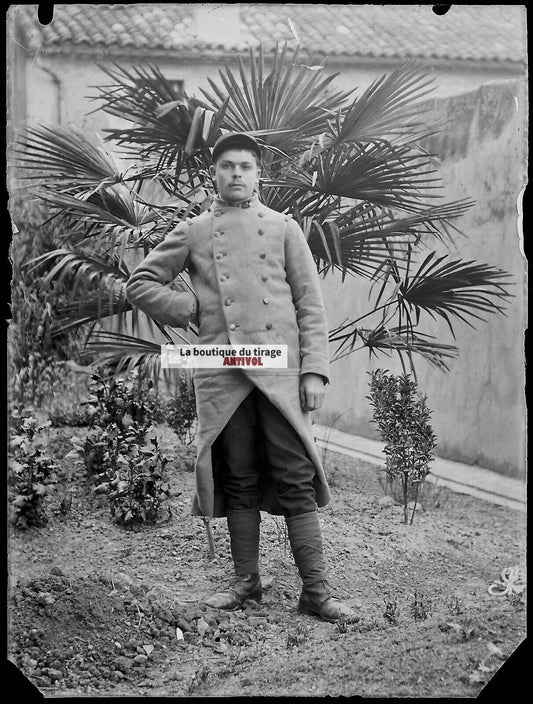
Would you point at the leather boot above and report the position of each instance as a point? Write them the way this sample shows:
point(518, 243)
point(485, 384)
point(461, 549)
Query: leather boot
point(243, 587)
point(243, 529)
point(305, 538)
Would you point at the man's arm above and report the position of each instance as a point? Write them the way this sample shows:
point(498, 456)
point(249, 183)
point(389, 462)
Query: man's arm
point(147, 286)
point(311, 317)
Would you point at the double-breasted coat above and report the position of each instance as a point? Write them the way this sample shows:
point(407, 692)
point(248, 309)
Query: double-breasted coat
point(255, 283)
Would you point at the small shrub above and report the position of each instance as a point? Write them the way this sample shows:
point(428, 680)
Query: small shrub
point(134, 488)
point(119, 463)
point(124, 402)
point(402, 418)
point(127, 472)
point(32, 473)
point(180, 412)
point(100, 449)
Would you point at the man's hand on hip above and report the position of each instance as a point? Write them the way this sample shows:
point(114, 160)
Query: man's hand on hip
point(311, 391)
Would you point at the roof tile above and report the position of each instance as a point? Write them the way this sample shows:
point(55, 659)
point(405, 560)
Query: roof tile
point(474, 32)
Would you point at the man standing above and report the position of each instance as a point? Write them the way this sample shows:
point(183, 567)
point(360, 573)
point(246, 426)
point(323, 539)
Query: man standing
point(256, 283)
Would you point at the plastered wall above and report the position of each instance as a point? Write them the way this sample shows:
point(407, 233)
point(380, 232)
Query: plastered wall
point(478, 406)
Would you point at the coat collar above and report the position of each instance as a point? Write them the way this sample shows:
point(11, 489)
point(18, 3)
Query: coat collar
point(220, 203)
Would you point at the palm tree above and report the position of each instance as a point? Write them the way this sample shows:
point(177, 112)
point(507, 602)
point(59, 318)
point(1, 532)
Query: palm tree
point(351, 170)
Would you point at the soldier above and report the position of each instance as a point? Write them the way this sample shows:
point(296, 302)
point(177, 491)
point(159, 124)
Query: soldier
point(256, 283)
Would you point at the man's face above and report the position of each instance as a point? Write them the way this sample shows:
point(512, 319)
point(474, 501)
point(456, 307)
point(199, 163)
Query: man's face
point(236, 173)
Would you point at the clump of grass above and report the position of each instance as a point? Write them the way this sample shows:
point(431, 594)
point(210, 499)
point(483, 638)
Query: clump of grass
point(392, 610)
point(296, 636)
point(421, 606)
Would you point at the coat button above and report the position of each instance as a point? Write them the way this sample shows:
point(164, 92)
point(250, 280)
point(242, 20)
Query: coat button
point(260, 231)
point(217, 233)
point(217, 213)
point(232, 326)
point(223, 278)
point(260, 214)
point(262, 255)
point(268, 326)
point(266, 301)
point(219, 256)
point(264, 277)
point(227, 302)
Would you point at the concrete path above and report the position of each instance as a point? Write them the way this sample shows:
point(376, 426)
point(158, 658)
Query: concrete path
point(463, 478)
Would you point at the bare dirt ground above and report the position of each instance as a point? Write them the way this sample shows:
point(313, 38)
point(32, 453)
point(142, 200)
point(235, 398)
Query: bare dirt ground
point(99, 611)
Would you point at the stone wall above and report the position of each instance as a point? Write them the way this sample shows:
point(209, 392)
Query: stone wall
point(478, 406)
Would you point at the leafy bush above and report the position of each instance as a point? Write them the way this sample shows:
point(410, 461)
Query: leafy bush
point(402, 417)
point(134, 487)
point(118, 461)
point(124, 402)
point(36, 350)
point(32, 473)
point(180, 412)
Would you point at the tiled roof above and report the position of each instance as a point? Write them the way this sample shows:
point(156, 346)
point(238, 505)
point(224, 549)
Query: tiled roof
point(465, 32)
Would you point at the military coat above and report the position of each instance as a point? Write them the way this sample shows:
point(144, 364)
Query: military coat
point(255, 283)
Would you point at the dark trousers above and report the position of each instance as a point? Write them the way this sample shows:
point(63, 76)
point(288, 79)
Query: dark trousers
point(258, 436)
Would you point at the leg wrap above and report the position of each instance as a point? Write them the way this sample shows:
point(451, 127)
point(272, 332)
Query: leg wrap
point(243, 528)
point(305, 538)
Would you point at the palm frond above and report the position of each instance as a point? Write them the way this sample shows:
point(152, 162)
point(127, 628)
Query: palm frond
point(454, 288)
point(65, 158)
point(74, 262)
point(368, 237)
point(391, 107)
point(458, 289)
point(392, 178)
point(91, 308)
point(291, 101)
point(106, 205)
point(168, 126)
point(91, 277)
point(122, 353)
point(388, 340)
point(430, 219)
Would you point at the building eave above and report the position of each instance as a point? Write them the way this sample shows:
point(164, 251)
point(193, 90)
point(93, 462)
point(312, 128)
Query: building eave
point(213, 56)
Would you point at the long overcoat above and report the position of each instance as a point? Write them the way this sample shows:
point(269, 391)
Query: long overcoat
point(256, 283)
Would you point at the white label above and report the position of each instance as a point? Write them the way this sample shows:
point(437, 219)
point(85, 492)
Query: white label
point(224, 356)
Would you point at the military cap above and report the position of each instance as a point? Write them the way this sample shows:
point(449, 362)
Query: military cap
point(236, 140)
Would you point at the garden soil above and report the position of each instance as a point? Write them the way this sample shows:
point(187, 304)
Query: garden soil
point(96, 610)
